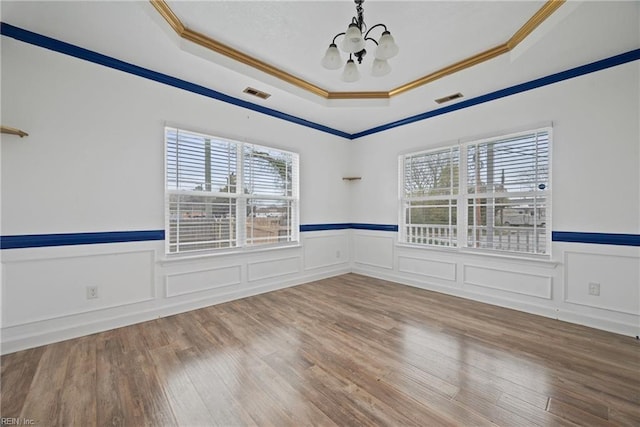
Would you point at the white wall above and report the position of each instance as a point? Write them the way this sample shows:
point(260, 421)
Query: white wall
point(596, 183)
point(94, 161)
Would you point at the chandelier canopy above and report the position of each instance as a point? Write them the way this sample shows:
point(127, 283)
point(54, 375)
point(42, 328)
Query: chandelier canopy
point(353, 42)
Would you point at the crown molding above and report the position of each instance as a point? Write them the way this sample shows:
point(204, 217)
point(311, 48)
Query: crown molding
point(538, 18)
point(205, 41)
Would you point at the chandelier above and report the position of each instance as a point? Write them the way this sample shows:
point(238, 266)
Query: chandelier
point(353, 43)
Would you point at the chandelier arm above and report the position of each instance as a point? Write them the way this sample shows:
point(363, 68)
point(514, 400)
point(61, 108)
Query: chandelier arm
point(372, 39)
point(377, 25)
point(336, 36)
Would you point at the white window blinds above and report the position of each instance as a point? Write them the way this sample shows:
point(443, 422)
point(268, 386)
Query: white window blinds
point(222, 193)
point(498, 187)
point(270, 182)
point(508, 193)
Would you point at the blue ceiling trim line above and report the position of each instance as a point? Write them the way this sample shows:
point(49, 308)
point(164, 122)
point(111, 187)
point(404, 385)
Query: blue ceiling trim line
point(107, 61)
point(613, 61)
point(596, 238)
point(67, 239)
point(97, 58)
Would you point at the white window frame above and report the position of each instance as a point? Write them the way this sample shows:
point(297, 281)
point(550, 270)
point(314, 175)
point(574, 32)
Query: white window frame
point(463, 195)
point(242, 199)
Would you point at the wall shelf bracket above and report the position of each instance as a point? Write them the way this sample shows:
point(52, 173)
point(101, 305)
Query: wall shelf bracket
point(13, 131)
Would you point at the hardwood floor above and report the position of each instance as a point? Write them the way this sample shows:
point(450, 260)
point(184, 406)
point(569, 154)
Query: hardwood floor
point(349, 350)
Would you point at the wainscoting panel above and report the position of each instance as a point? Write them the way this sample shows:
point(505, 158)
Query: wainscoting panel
point(616, 276)
point(429, 268)
point(272, 268)
point(325, 250)
point(203, 280)
point(510, 281)
point(43, 289)
point(376, 251)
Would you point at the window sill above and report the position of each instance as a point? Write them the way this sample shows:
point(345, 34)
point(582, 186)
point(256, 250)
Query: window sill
point(169, 259)
point(542, 260)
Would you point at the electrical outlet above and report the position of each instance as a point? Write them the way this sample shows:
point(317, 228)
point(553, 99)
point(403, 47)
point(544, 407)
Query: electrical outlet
point(337, 254)
point(92, 292)
point(594, 289)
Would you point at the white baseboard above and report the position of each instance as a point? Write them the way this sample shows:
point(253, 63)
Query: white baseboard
point(628, 329)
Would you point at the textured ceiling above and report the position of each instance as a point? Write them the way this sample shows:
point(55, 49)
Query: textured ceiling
point(294, 35)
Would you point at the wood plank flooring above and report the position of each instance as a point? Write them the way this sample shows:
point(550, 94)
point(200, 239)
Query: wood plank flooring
point(345, 351)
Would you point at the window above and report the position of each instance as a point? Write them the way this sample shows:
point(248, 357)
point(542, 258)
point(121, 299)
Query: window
point(498, 188)
point(222, 193)
point(430, 200)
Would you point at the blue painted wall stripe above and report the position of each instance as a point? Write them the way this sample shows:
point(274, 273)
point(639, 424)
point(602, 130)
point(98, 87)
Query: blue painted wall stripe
point(596, 238)
point(107, 61)
point(324, 227)
point(375, 227)
point(348, 225)
point(67, 239)
point(623, 58)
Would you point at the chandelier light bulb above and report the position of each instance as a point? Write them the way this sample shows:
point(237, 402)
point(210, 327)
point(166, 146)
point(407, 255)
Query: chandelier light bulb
point(387, 47)
point(353, 41)
point(350, 73)
point(380, 68)
point(332, 59)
